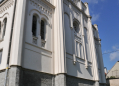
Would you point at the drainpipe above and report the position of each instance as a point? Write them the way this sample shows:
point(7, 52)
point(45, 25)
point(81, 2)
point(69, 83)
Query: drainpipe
point(10, 42)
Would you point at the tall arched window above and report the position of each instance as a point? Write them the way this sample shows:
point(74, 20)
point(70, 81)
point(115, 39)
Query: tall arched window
point(42, 30)
point(5, 23)
point(76, 26)
point(34, 25)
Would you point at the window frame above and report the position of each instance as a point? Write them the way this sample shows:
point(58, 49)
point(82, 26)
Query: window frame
point(1, 51)
point(34, 34)
point(43, 30)
point(4, 27)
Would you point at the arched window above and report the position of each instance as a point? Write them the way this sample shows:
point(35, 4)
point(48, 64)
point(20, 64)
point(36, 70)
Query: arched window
point(42, 30)
point(0, 56)
point(0, 27)
point(76, 26)
point(5, 23)
point(34, 25)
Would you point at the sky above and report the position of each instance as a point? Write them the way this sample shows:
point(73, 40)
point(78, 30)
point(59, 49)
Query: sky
point(105, 13)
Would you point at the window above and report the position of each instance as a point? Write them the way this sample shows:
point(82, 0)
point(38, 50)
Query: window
point(0, 27)
point(76, 27)
point(0, 56)
point(5, 23)
point(79, 50)
point(42, 30)
point(34, 25)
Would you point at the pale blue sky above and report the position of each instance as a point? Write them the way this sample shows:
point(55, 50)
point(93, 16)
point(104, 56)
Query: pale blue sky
point(105, 13)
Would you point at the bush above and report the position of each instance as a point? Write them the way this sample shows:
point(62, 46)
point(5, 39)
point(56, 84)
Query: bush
point(112, 77)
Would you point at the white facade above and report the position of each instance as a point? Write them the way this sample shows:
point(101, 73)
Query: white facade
point(70, 45)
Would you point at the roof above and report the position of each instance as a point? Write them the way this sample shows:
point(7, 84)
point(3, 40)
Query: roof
point(112, 67)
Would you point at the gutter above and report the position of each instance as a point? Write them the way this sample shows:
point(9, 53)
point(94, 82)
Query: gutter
point(10, 42)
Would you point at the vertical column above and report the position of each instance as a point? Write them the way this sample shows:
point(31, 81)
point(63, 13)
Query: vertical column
point(83, 39)
point(59, 44)
point(92, 46)
point(93, 53)
point(73, 37)
point(101, 64)
point(103, 80)
point(18, 30)
point(59, 38)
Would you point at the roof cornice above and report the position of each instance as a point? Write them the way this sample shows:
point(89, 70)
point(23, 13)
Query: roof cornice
point(88, 16)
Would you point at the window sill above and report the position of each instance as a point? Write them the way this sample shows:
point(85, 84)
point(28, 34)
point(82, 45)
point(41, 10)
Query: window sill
point(1, 39)
point(80, 58)
point(43, 42)
point(35, 39)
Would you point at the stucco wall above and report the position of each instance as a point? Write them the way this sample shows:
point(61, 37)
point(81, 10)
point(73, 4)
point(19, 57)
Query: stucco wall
point(112, 82)
point(6, 11)
point(84, 67)
point(114, 71)
point(35, 56)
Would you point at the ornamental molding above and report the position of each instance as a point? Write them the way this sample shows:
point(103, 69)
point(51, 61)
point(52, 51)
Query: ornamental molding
point(6, 5)
point(5, 15)
point(78, 38)
point(43, 7)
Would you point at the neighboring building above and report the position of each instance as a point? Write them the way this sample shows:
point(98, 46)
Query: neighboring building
point(114, 72)
point(105, 70)
point(49, 43)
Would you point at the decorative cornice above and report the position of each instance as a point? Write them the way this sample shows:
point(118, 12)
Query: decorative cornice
point(98, 39)
point(5, 5)
point(43, 6)
point(88, 16)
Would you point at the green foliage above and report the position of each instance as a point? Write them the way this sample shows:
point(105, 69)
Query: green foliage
point(112, 77)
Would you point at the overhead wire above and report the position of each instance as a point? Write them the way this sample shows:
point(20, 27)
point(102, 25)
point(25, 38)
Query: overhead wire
point(111, 52)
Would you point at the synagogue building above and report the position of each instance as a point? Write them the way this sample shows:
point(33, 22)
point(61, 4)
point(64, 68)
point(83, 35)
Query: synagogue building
point(49, 43)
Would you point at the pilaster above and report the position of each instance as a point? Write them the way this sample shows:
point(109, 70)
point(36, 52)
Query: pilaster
point(93, 52)
point(18, 30)
point(59, 38)
point(83, 39)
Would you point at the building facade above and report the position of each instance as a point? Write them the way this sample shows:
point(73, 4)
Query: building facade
point(49, 43)
point(114, 72)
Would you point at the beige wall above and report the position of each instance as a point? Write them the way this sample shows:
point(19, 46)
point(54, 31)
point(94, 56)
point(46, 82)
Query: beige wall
point(114, 71)
point(113, 82)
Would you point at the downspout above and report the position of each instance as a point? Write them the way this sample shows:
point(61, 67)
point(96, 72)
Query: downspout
point(10, 42)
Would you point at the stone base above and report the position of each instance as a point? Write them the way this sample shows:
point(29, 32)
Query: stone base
point(18, 76)
point(2, 76)
point(103, 84)
point(73, 81)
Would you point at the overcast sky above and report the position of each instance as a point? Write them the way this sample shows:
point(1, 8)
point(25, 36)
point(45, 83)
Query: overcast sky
point(105, 13)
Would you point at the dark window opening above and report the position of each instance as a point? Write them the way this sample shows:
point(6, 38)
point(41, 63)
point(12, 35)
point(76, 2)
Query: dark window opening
point(42, 29)
point(0, 27)
point(75, 25)
point(5, 23)
point(34, 25)
point(0, 56)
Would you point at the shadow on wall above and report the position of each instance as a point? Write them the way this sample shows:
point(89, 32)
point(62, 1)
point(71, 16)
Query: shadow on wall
point(108, 83)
